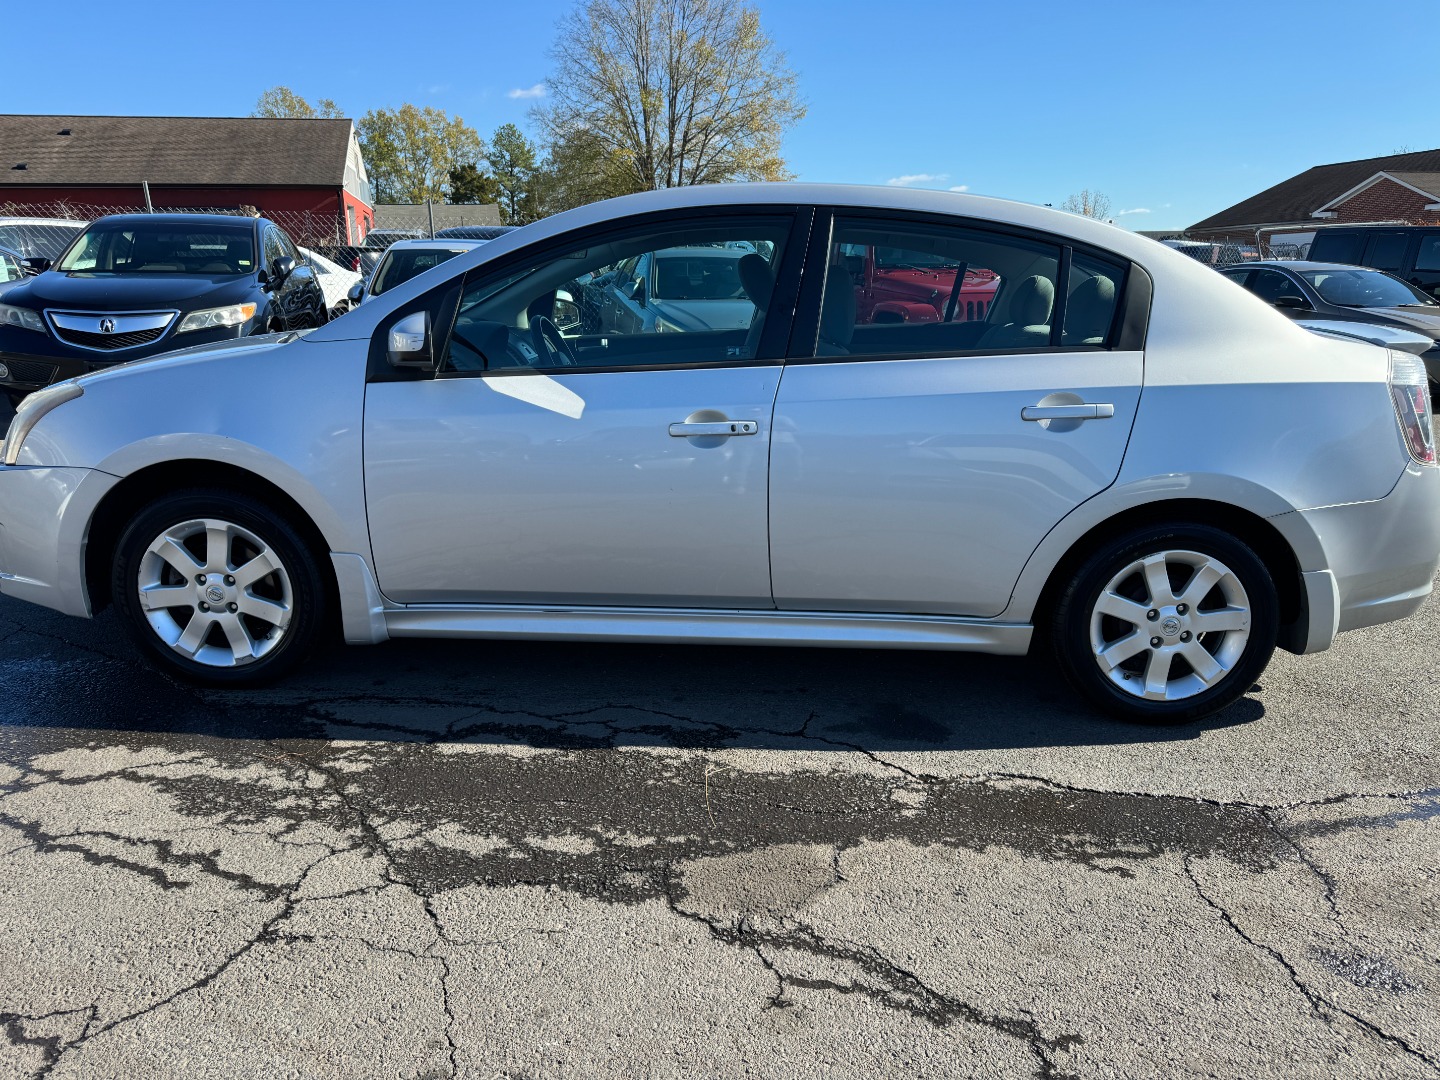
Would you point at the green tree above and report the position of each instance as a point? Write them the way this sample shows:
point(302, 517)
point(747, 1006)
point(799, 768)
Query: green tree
point(470, 184)
point(281, 101)
point(515, 163)
point(409, 152)
point(663, 93)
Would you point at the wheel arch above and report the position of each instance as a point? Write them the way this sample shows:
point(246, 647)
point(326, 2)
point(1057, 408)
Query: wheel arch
point(128, 497)
point(1256, 532)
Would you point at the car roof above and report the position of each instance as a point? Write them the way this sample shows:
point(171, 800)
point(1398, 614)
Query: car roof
point(1300, 264)
point(66, 222)
point(183, 219)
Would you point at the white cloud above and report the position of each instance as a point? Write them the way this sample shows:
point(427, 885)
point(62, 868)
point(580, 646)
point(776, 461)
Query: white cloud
point(1137, 210)
point(536, 91)
point(961, 187)
point(913, 179)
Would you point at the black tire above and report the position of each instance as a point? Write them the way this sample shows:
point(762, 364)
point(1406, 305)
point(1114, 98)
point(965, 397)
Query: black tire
point(297, 588)
point(1077, 630)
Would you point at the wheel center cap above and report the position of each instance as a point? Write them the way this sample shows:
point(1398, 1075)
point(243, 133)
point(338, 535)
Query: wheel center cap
point(1170, 626)
point(215, 594)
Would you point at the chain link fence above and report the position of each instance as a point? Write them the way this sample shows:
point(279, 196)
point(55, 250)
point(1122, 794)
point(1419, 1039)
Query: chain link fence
point(1228, 251)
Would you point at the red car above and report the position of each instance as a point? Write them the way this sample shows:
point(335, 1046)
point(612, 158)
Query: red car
point(895, 285)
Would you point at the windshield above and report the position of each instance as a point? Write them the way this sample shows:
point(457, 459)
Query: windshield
point(402, 264)
point(37, 241)
point(144, 248)
point(893, 258)
point(1365, 289)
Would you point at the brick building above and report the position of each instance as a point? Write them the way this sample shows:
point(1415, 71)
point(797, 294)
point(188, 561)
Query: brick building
point(1391, 189)
point(307, 174)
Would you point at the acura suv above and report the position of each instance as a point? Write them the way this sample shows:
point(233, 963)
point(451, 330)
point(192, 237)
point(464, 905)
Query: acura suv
point(132, 285)
point(1127, 462)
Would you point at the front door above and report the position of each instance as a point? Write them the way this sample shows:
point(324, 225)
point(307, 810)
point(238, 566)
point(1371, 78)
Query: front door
point(545, 464)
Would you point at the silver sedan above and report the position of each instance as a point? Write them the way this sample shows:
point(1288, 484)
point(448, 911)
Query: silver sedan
point(1126, 459)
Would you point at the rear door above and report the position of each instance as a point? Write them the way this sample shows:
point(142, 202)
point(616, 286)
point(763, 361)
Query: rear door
point(917, 466)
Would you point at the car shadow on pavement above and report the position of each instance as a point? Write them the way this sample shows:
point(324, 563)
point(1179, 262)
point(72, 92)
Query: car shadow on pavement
point(68, 674)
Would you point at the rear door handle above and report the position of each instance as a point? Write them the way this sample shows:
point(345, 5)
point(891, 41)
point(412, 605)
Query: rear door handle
point(1067, 412)
point(714, 427)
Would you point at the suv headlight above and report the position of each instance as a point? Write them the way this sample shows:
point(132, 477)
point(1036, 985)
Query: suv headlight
point(29, 413)
point(210, 318)
point(23, 317)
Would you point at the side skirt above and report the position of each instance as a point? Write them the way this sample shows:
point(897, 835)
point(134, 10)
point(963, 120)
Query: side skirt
point(704, 626)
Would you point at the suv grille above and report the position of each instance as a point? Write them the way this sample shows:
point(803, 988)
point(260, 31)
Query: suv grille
point(108, 342)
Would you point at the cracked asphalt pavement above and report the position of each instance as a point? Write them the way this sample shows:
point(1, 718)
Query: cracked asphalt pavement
point(437, 859)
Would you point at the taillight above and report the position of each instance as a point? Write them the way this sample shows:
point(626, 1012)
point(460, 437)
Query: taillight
point(1410, 391)
point(355, 264)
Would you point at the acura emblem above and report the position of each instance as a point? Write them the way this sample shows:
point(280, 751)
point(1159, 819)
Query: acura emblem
point(107, 326)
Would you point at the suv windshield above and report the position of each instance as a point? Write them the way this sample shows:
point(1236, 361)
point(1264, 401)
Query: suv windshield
point(1365, 289)
point(143, 248)
point(402, 264)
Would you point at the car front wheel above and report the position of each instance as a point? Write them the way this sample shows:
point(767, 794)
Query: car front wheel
point(1167, 624)
point(217, 588)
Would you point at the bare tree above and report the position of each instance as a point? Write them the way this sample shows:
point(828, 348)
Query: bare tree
point(281, 101)
point(1089, 204)
point(665, 93)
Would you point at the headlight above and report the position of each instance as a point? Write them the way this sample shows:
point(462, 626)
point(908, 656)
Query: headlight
point(210, 318)
point(22, 317)
point(31, 410)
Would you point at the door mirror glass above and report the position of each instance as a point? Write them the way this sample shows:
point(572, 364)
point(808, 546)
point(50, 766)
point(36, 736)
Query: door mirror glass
point(409, 343)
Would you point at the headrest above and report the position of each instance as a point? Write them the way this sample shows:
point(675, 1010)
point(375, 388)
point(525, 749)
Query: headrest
point(1033, 301)
point(756, 279)
point(837, 313)
point(1090, 308)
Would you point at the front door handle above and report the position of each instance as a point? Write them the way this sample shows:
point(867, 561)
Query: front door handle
point(1067, 412)
point(689, 430)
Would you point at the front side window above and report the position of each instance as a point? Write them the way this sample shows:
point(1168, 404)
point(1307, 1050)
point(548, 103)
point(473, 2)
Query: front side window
point(144, 248)
point(1270, 285)
point(647, 297)
point(901, 289)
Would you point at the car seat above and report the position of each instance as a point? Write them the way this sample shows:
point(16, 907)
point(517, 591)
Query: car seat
point(1029, 326)
point(758, 283)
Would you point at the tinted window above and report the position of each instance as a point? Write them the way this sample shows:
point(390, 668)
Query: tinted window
point(1337, 247)
point(1428, 257)
point(1386, 251)
point(402, 264)
point(1093, 295)
point(899, 289)
point(682, 294)
point(1270, 285)
point(1364, 288)
point(145, 248)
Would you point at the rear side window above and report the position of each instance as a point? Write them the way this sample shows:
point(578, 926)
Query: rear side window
point(1338, 248)
point(1093, 295)
point(1386, 251)
point(1428, 258)
point(1270, 285)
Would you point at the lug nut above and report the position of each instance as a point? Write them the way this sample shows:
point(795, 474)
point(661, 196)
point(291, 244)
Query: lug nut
point(1155, 642)
point(233, 608)
point(230, 580)
point(1185, 636)
point(204, 606)
point(1152, 614)
point(199, 579)
point(1180, 609)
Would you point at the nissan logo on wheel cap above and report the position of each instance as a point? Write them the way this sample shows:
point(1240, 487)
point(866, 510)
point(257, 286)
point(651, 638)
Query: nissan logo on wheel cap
point(215, 594)
point(107, 326)
point(1170, 627)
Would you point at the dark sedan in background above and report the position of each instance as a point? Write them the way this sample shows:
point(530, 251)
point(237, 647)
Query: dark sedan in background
point(1318, 290)
point(133, 285)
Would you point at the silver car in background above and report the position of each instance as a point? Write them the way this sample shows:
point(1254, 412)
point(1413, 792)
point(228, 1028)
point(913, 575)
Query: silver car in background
point(1127, 460)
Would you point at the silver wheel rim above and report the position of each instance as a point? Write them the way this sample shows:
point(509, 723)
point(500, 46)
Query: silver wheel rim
point(215, 593)
point(1170, 626)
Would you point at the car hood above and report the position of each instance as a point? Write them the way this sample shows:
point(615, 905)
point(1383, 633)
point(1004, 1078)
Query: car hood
point(130, 292)
point(195, 354)
point(1424, 319)
point(705, 314)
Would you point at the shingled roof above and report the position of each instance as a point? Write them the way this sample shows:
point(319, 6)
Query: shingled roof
point(1294, 200)
point(172, 150)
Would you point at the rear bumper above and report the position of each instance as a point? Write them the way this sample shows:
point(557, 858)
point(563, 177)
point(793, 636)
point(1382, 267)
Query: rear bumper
point(1368, 563)
point(44, 517)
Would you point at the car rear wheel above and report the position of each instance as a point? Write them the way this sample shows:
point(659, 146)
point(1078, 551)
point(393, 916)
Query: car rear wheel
point(1167, 624)
point(217, 588)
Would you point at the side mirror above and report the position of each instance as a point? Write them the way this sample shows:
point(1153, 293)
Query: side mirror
point(357, 292)
point(36, 265)
point(408, 345)
point(284, 266)
point(1292, 302)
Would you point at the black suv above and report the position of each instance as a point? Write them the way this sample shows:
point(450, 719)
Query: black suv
point(132, 285)
point(1411, 252)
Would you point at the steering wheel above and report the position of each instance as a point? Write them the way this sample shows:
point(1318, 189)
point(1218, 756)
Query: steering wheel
point(549, 342)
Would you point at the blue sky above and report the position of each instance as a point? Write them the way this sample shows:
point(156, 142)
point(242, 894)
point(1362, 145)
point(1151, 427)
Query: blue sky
point(1174, 110)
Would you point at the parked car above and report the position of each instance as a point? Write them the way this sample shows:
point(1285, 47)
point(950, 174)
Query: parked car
point(335, 281)
point(1128, 460)
point(474, 232)
point(679, 288)
point(894, 285)
point(1411, 252)
point(12, 269)
point(134, 285)
point(1316, 290)
point(403, 260)
point(38, 237)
